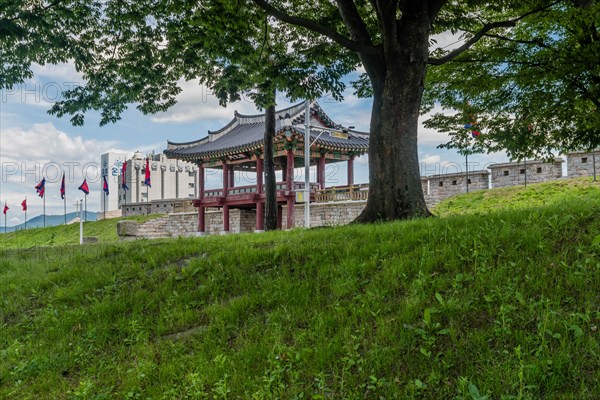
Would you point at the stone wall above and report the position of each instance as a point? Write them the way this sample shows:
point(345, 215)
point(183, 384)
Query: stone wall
point(326, 214)
point(581, 163)
point(159, 207)
point(109, 215)
point(447, 185)
point(535, 171)
point(240, 221)
point(186, 224)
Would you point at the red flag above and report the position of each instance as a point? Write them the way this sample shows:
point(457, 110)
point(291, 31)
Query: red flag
point(24, 205)
point(123, 182)
point(5, 208)
point(84, 187)
point(41, 187)
point(105, 186)
point(62, 187)
point(147, 177)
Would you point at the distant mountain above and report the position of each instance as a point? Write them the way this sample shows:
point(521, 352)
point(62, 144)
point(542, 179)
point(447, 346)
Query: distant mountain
point(51, 220)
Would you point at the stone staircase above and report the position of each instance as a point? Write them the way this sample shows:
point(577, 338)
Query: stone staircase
point(155, 228)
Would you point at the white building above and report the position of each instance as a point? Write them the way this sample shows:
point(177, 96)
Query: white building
point(111, 164)
point(169, 179)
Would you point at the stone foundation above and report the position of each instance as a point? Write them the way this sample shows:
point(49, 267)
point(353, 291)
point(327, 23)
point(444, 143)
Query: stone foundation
point(240, 221)
point(326, 214)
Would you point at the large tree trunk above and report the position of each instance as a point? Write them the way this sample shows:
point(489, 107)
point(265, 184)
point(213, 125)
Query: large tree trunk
point(269, 167)
point(395, 190)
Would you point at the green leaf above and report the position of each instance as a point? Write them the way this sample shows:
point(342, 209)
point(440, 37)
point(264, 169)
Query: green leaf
point(427, 316)
point(474, 392)
point(439, 298)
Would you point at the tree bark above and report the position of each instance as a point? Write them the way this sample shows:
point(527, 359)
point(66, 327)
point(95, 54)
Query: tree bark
point(269, 168)
point(395, 190)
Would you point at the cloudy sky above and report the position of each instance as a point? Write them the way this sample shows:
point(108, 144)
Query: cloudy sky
point(35, 144)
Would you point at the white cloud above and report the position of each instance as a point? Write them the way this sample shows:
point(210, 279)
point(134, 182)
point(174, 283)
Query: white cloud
point(362, 160)
point(447, 41)
point(429, 136)
point(42, 150)
point(64, 72)
point(196, 102)
point(431, 159)
point(47, 86)
point(46, 143)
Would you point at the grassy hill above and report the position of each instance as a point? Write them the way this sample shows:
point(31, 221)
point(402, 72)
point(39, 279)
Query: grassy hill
point(518, 197)
point(104, 230)
point(497, 303)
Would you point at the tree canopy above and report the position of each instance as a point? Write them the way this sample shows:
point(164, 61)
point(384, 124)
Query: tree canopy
point(535, 87)
point(526, 69)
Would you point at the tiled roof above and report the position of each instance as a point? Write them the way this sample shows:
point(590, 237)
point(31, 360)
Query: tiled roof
point(245, 133)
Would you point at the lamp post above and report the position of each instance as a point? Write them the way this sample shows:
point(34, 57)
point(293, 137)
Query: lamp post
point(594, 163)
point(307, 165)
point(467, 169)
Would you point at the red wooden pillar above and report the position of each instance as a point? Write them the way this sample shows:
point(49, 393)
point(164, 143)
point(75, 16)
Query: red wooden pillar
point(289, 183)
point(225, 194)
point(351, 171)
point(321, 172)
point(232, 176)
point(260, 206)
point(201, 209)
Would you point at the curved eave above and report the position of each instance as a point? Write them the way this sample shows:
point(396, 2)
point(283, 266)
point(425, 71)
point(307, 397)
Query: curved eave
point(359, 145)
point(184, 145)
point(295, 108)
point(216, 154)
point(355, 147)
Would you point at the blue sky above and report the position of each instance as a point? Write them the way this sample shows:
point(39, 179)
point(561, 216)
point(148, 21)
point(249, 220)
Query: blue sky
point(33, 143)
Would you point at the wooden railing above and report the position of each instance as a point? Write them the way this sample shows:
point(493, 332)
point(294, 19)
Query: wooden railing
point(342, 193)
point(281, 186)
point(334, 193)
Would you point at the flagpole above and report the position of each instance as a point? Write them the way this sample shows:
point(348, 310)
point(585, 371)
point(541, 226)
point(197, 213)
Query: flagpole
point(44, 209)
point(85, 215)
point(25, 214)
point(65, 205)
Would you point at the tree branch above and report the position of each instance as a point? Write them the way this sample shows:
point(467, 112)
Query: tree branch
point(354, 22)
point(311, 25)
point(386, 12)
point(531, 42)
point(513, 62)
point(483, 31)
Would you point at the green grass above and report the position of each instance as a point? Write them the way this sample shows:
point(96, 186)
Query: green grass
point(104, 230)
point(518, 197)
point(500, 304)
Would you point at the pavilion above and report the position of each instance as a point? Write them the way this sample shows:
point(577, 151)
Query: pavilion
point(238, 146)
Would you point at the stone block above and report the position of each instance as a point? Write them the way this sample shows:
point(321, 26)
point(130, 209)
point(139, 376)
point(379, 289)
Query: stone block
point(127, 228)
